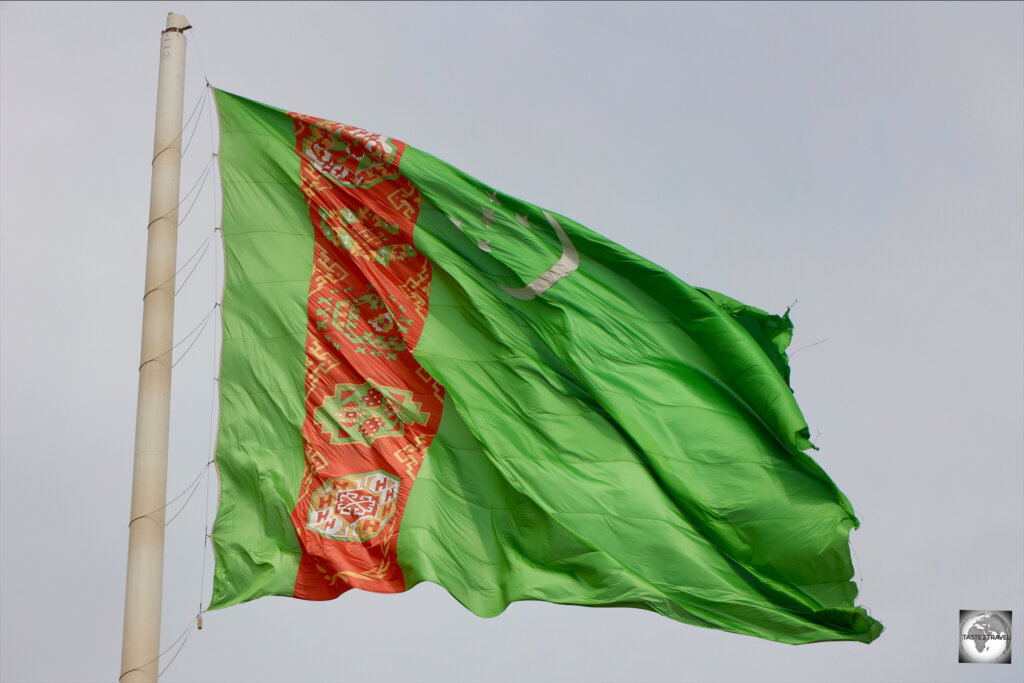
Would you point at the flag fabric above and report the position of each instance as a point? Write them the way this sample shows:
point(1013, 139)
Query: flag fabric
point(425, 379)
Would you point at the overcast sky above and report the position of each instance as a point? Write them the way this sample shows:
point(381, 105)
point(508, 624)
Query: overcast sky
point(865, 160)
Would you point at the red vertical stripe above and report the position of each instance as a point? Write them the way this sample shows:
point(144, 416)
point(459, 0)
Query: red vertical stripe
point(371, 410)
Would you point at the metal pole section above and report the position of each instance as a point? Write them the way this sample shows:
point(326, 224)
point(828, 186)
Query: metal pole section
point(140, 650)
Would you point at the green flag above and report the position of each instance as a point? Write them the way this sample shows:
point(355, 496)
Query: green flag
point(425, 379)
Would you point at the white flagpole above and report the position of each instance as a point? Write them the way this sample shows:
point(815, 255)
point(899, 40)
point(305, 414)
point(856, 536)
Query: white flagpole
point(140, 650)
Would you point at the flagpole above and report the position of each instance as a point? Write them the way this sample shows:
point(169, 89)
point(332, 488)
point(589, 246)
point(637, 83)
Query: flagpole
point(140, 648)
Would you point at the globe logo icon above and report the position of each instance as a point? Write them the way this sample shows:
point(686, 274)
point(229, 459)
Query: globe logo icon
point(985, 637)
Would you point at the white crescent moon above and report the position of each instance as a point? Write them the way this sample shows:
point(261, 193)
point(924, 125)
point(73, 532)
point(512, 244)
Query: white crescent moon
point(569, 261)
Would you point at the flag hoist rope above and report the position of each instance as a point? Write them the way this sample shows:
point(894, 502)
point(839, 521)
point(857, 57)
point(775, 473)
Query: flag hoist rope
point(140, 650)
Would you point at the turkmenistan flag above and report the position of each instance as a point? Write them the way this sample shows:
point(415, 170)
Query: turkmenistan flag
point(425, 379)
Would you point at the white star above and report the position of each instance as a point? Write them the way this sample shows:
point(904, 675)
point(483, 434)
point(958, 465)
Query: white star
point(522, 221)
point(492, 197)
point(457, 222)
point(486, 246)
point(488, 217)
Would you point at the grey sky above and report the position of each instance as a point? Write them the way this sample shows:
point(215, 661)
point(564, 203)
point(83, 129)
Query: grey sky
point(864, 159)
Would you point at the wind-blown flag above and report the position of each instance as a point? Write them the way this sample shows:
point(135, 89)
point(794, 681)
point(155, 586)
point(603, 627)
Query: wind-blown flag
point(425, 379)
